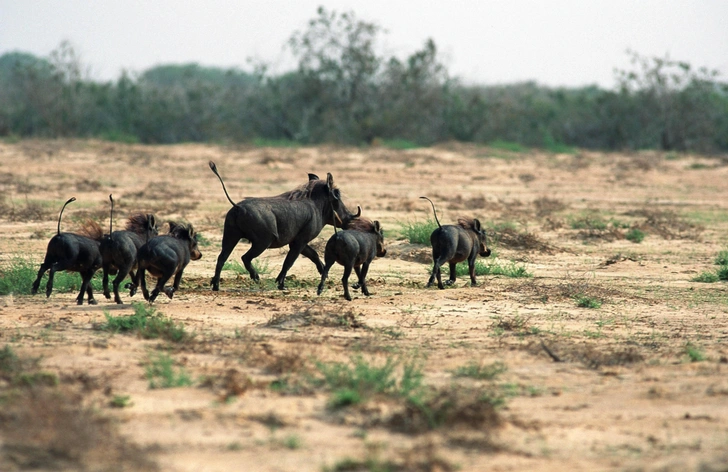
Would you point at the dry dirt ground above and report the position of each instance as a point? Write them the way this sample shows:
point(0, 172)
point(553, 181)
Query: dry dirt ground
point(638, 383)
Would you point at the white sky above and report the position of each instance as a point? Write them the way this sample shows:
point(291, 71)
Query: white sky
point(554, 42)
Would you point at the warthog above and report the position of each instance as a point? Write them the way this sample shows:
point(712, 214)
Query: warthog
point(74, 253)
point(456, 243)
point(165, 256)
point(293, 218)
point(119, 248)
point(355, 248)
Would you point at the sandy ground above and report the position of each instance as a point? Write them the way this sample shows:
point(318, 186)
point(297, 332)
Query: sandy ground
point(618, 390)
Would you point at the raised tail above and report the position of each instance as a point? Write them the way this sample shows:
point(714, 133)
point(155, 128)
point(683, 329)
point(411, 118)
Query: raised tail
point(213, 167)
point(111, 215)
point(72, 199)
point(433, 211)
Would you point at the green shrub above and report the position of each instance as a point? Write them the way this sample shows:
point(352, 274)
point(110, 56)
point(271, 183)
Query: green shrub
point(706, 277)
point(694, 353)
point(722, 272)
point(591, 222)
point(357, 381)
point(487, 267)
point(587, 301)
point(479, 371)
point(238, 268)
point(722, 258)
point(635, 235)
point(419, 232)
point(161, 373)
point(147, 323)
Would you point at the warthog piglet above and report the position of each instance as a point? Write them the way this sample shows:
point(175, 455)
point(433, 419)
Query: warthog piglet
point(165, 256)
point(354, 248)
point(456, 243)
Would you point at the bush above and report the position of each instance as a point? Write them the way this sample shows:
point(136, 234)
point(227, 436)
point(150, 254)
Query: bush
point(586, 301)
point(147, 323)
point(419, 232)
point(635, 235)
point(161, 373)
point(358, 381)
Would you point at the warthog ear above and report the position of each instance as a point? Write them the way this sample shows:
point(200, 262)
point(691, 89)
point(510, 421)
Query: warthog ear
point(476, 225)
point(172, 225)
point(330, 181)
point(191, 231)
point(151, 221)
point(313, 177)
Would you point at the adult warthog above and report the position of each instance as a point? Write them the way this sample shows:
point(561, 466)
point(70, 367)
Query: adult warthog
point(292, 218)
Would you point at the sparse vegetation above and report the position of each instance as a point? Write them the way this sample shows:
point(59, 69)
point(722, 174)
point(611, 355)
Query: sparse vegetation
point(419, 232)
point(358, 381)
point(161, 373)
point(587, 301)
point(147, 323)
point(477, 370)
point(635, 235)
point(261, 266)
point(694, 353)
point(18, 276)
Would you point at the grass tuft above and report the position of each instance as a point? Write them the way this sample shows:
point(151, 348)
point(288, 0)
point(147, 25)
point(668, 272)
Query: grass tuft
point(147, 323)
point(476, 370)
point(419, 232)
point(161, 373)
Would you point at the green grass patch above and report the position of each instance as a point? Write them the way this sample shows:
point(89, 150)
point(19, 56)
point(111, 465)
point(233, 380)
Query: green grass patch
point(161, 373)
point(487, 267)
point(18, 277)
point(722, 258)
point(358, 381)
point(120, 401)
point(635, 235)
point(706, 277)
point(147, 323)
point(418, 232)
point(694, 353)
point(476, 370)
point(202, 240)
point(587, 301)
point(589, 222)
point(261, 267)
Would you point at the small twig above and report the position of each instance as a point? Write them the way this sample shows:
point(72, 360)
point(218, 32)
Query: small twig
point(551, 354)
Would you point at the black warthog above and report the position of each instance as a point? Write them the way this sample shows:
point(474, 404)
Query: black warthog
point(165, 256)
point(119, 248)
point(456, 243)
point(293, 218)
point(74, 253)
point(354, 248)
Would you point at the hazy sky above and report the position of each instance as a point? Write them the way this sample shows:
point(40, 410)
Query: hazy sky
point(555, 42)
